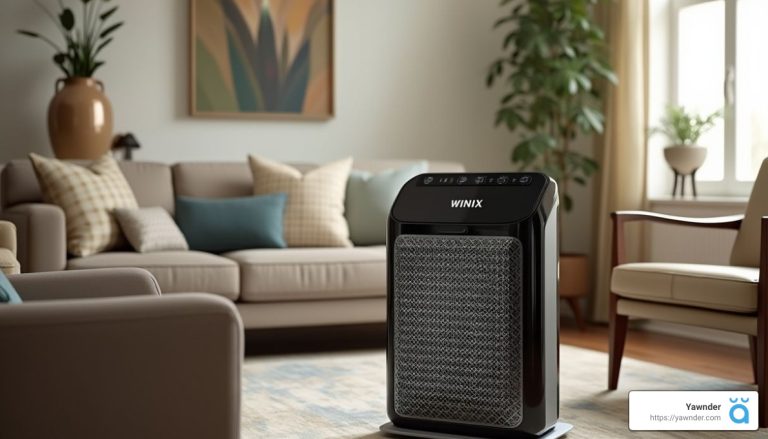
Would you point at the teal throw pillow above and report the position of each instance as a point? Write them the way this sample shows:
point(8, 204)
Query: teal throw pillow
point(369, 199)
point(226, 224)
point(8, 294)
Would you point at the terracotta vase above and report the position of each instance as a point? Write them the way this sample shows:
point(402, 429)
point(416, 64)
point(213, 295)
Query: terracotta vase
point(80, 119)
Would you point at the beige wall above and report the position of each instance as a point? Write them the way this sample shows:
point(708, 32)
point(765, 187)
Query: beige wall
point(409, 84)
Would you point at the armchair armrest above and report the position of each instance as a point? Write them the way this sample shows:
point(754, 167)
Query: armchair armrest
point(85, 284)
point(619, 218)
point(152, 367)
point(42, 237)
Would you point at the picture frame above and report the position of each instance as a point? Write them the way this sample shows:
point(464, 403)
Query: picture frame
point(262, 59)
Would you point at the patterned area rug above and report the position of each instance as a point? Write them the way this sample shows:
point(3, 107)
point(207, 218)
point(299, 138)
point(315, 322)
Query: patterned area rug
point(344, 395)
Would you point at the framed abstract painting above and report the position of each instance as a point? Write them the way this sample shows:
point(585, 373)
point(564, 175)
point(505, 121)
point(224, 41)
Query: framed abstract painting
point(262, 58)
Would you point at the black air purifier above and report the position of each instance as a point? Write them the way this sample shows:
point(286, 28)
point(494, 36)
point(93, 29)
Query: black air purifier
point(472, 307)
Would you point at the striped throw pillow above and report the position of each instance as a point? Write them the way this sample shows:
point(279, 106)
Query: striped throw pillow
point(87, 195)
point(314, 211)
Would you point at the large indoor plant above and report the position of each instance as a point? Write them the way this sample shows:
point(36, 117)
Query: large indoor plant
point(683, 129)
point(80, 115)
point(552, 65)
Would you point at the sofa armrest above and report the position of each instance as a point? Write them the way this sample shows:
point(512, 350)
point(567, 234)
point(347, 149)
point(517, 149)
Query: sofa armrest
point(8, 236)
point(151, 367)
point(42, 237)
point(85, 284)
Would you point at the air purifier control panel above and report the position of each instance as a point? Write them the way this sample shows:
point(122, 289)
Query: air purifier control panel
point(472, 198)
point(476, 180)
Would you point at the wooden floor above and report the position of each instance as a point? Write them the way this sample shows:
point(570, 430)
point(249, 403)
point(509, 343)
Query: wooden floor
point(697, 356)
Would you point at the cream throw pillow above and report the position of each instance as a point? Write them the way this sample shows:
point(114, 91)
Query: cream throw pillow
point(314, 211)
point(150, 229)
point(88, 195)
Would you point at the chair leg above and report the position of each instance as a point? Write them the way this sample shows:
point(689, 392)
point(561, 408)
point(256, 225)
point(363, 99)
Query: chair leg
point(762, 378)
point(573, 302)
point(617, 336)
point(753, 356)
point(674, 186)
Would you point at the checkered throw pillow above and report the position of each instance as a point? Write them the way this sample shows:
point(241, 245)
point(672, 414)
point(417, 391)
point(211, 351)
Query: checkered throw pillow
point(87, 195)
point(314, 211)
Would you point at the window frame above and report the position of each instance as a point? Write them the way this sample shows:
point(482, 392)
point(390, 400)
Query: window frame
point(729, 185)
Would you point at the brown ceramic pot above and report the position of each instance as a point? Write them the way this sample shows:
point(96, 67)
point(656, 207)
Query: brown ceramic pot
point(80, 119)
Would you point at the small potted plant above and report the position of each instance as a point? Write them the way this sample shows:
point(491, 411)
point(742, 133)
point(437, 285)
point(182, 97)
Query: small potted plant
point(684, 129)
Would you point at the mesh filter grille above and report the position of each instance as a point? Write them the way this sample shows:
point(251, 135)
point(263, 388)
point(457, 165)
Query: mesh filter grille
point(457, 337)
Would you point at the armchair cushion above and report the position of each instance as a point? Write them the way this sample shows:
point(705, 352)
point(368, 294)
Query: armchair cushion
point(723, 288)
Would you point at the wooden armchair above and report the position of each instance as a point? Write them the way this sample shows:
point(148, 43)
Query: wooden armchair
point(731, 298)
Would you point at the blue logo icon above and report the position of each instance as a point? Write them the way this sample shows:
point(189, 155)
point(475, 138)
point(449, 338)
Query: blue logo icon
point(739, 413)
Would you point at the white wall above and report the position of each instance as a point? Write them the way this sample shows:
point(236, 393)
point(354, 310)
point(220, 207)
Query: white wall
point(409, 84)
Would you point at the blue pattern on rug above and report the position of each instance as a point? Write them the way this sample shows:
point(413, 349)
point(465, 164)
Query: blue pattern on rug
point(344, 395)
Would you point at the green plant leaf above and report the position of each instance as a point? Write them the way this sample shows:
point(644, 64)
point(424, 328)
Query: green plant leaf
point(553, 54)
point(92, 69)
point(110, 29)
point(108, 13)
point(60, 58)
point(29, 33)
point(67, 19)
point(594, 118)
point(102, 46)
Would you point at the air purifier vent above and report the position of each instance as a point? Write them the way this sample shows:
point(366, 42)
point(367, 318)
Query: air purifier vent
point(458, 329)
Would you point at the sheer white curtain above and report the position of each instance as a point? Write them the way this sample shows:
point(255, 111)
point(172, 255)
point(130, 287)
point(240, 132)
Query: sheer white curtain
point(622, 149)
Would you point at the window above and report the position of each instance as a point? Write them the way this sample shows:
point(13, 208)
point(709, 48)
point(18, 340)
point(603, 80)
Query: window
point(719, 63)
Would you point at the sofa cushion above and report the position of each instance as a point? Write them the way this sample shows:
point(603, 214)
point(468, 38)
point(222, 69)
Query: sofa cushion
point(151, 183)
point(227, 224)
point(723, 288)
point(175, 271)
point(87, 195)
point(369, 199)
point(314, 212)
point(150, 229)
point(311, 273)
point(234, 179)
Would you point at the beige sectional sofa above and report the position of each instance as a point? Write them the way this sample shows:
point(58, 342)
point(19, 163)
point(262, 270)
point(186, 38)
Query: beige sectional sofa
point(271, 287)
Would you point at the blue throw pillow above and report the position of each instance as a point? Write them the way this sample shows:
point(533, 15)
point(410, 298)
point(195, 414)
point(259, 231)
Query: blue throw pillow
point(227, 224)
point(369, 199)
point(8, 294)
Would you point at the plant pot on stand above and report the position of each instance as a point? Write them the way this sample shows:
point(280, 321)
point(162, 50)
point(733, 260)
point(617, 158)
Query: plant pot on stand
point(685, 160)
point(80, 119)
point(574, 283)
